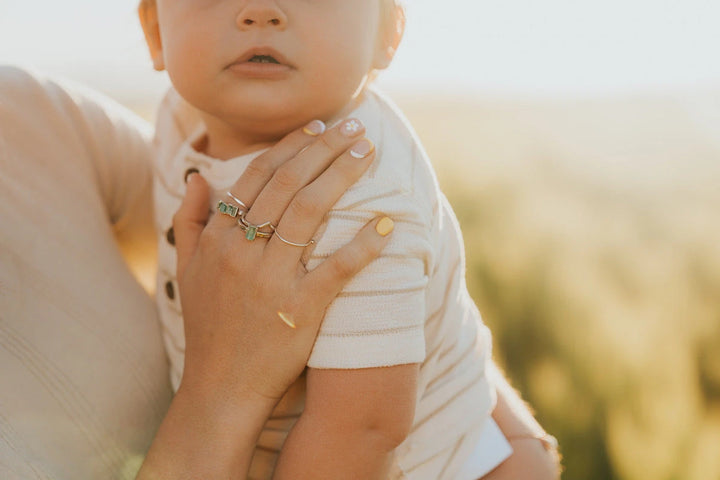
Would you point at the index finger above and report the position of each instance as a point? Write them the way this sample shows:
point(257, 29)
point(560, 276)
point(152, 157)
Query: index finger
point(259, 172)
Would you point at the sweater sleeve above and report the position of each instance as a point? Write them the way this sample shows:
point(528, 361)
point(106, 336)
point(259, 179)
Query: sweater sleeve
point(115, 147)
point(84, 375)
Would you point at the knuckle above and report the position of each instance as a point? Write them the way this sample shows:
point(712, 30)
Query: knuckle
point(259, 168)
point(367, 251)
point(328, 141)
point(349, 171)
point(343, 266)
point(298, 139)
point(287, 178)
point(324, 147)
point(305, 204)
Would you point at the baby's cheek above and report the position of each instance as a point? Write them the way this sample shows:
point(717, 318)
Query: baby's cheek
point(336, 84)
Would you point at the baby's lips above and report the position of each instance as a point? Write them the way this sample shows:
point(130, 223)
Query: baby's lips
point(263, 51)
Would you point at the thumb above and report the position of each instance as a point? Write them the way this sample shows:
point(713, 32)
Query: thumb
point(190, 220)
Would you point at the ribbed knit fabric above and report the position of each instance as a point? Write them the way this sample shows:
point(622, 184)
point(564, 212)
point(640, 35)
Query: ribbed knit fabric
point(410, 305)
point(83, 374)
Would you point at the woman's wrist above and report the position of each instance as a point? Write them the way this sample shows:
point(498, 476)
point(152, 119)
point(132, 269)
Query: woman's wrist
point(207, 433)
point(228, 420)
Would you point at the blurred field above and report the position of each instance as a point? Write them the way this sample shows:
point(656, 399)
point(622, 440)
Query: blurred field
point(592, 231)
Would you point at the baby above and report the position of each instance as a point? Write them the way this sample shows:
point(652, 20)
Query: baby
point(397, 384)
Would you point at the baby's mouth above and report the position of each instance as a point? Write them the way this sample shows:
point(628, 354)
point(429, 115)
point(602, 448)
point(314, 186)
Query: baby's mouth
point(263, 59)
point(261, 63)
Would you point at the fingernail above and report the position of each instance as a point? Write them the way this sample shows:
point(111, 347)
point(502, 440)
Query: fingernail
point(314, 128)
point(352, 127)
point(385, 226)
point(362, 149)
point(189, 172)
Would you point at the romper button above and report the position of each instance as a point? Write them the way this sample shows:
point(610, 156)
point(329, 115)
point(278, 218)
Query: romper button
point(170, 290)
point(190, 171)
point(170, 236)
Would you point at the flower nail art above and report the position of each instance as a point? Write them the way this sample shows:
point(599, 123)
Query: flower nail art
point(352, 127)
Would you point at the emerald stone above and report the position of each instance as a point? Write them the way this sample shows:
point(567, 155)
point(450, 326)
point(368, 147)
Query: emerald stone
point(251, 233)
point(227, 209)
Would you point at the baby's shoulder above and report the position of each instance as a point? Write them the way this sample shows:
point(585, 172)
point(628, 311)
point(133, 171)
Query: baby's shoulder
point(401, 173)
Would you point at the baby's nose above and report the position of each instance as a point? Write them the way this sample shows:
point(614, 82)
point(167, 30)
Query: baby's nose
point(261, 13)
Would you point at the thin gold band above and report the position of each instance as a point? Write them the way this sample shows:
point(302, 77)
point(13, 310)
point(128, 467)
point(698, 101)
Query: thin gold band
point(293, 244)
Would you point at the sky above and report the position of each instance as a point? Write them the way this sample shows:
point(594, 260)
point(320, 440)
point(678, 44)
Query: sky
point(509, 47)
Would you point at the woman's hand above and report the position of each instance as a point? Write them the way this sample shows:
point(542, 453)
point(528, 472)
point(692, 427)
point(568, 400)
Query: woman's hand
point(251, 310)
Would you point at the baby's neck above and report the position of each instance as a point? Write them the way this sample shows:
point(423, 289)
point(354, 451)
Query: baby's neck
point(225, 140)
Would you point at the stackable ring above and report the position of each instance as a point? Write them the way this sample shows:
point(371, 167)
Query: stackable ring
point(238, 201)
point(293, 244)
point(253, 231)
point(228, 209)
point(253, 234)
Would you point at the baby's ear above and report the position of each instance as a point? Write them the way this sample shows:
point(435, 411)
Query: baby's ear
point(390, 36)
point(147, 12)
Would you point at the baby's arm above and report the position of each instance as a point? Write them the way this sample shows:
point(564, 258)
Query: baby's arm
point(353, 421)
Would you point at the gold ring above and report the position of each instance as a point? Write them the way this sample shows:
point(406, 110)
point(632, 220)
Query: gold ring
point(302, 245)
point(237, 200)
point(253, 231)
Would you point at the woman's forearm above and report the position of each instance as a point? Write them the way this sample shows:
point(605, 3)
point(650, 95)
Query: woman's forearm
point(206, 436)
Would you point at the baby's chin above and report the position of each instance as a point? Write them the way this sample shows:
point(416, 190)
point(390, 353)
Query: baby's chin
point(266, 124)
point(229, 137)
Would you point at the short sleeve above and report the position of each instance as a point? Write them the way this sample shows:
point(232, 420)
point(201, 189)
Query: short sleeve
point(378, 319)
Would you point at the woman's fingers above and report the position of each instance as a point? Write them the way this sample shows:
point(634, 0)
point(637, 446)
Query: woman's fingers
point(259, 172)
point(309, 207)
point(297, 172)
point(190, 220)
point(328, 279)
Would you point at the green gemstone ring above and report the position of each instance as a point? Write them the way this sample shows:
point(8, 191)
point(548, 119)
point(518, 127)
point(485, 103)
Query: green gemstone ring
point(228, 209)
point(253, 231)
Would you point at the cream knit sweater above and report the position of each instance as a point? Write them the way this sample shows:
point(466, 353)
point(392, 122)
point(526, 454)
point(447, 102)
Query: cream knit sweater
point(83, 374)
point(410, 305)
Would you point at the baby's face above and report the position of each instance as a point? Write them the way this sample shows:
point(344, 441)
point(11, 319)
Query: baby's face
point(270, 65)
